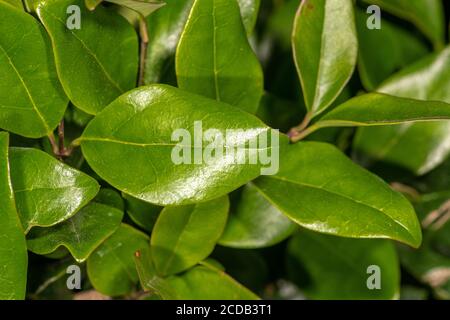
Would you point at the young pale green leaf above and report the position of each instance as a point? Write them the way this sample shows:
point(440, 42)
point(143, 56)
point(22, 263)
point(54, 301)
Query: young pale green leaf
point(130, 145)
point(16, 3)
point(254, 222)
point(13, 249)
point(143, 7)
point(214, 57)
point(81, 234)
point(429, 142)
point(206, 283)
point(426, 15)
point(325, 49)
point(400, 46)
point(322, 190)
point(47, 191)
point(379, 109)
point(142, 213)
point(183, 236)
point(249, 13)
point(92, 4)
point(32, 101)
point(111, 268)
point(96, 62)
point(340, 268)
point(166, 23)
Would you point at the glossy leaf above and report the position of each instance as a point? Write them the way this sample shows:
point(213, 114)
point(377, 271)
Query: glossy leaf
point(429, 142)
point(426, 15)
point(47, 191)
point(254, 222)
point(109, 63)
point(214, 57)
point(249, 13)
point(13, 249)
point(339, 268)
point(143, 7)
point(322, 190)
point(110, 198)
point(164, 27)
point(205, 283)
point(81, 234)
point(32, 101)
point(325, 50)
point(111, 267)
point(183, 236)
point(400, 46)
point(119, 147)
point(142, 213)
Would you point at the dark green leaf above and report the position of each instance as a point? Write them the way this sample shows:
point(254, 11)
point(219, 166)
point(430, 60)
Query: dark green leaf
point(322, 190)
point(255, 223)
point(338, 268)
point(111, 267)
point(32, 101)
point(47, 191)
point(183, 236)
point(142, 213)
point(119, 148)
point(81, 234)
point(13, 249)
point(93, 69)
point(214, 57)
point(325, 50)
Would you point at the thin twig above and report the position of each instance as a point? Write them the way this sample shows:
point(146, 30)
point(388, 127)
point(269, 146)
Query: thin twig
point(143, 35)
point(296, 133)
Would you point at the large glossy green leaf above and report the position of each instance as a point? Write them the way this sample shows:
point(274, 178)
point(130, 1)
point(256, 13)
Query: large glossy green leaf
point(249, 13)
point(400, 47)
point(337, 268)
point(205, 283)
point(16, 3)
point(95, 63)
point(428, 142)
point(325, 50)
point(164, 29)
point(32, 101)
point(322, 190)
point(111, 268)
point(81, 234)
point(47, 191)
point(254, 222)
point(214, 57)
point(183, 236)
point(129, 145)
point(13, 249)
point(426, 15)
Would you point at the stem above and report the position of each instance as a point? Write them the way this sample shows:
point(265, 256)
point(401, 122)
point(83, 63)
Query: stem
point(296, 133)
point(62, 148)
point(55, 147)
point(143, 34)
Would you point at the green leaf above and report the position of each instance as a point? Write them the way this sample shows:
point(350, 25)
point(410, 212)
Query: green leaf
point(325, 50)
point(119, 148)
point(95, 63)
point(322, 190)
point(429, 80)
point(214, 57)
point(166, 23)
point(254, 222)
point(142, 213)
point(81, 234)
point(47, 191)
point(13, 249)
point(183, 236)
point(143, 7)
point(379, 109)
point(426, 15)
point(249, 13)
point(15, 3)
point(92, 4)
point(32, 101)
point(338, 268)
point(111, 198)
point(400, 47)
point(205, 283)
point(111, 268)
